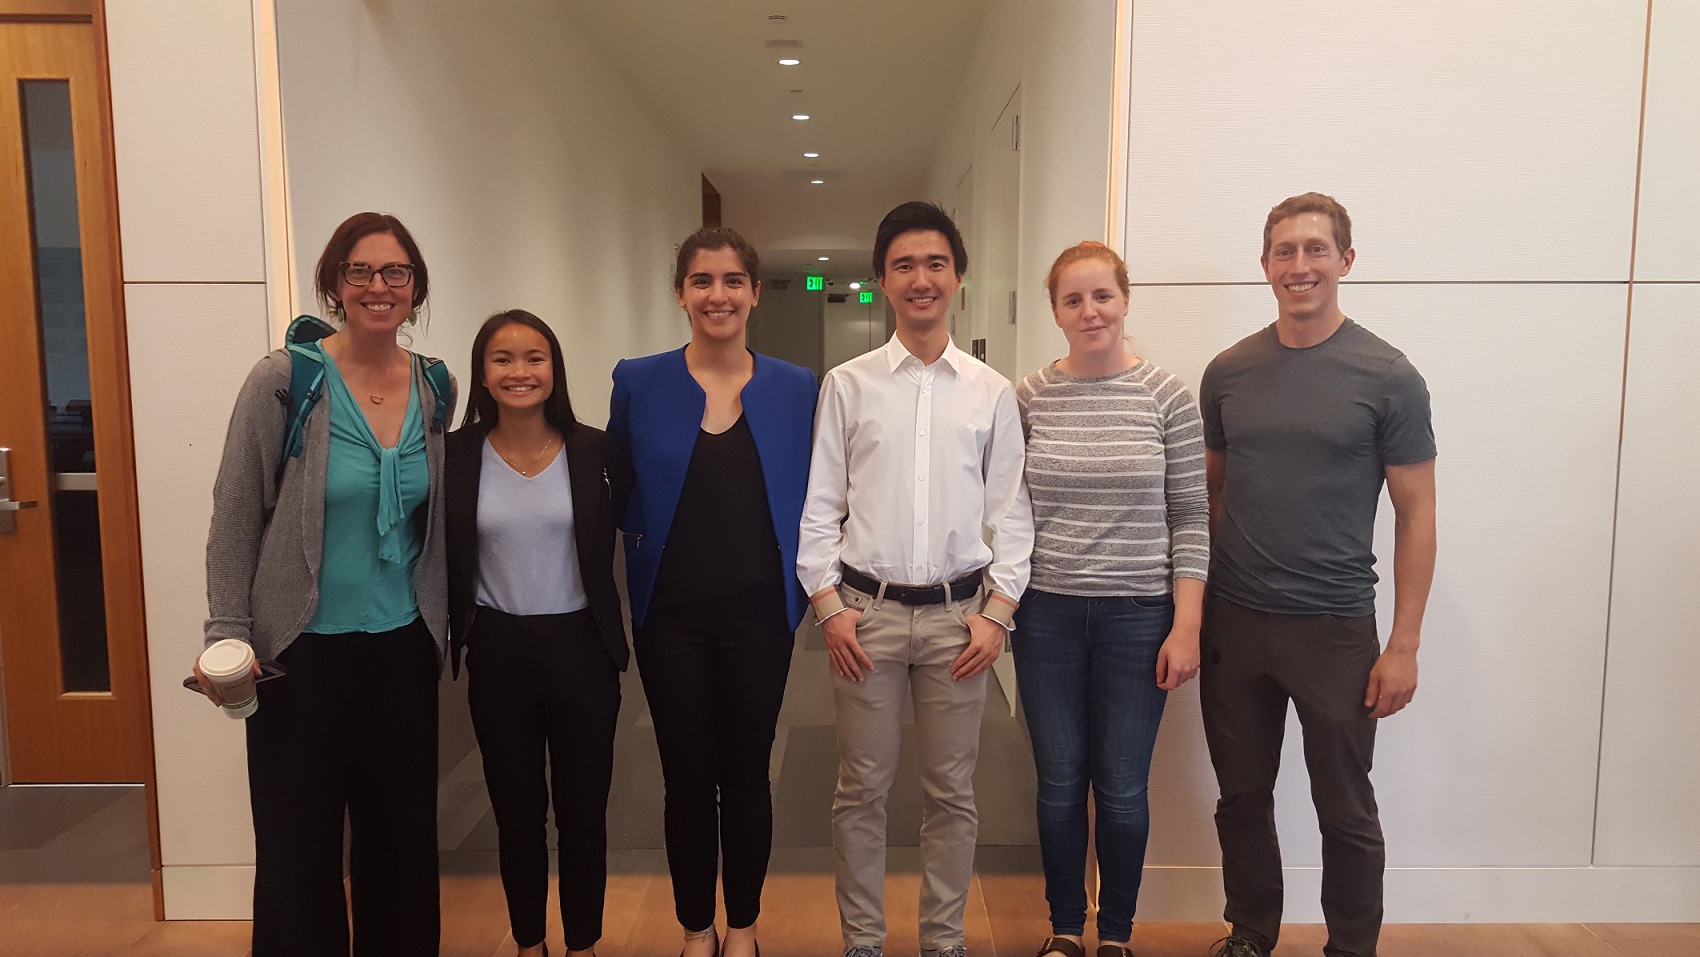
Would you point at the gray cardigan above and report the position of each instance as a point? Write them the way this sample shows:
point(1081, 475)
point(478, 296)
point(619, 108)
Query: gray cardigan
point(267, 537)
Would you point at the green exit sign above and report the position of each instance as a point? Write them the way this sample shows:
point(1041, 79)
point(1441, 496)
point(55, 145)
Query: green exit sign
point(816, 283)
point(867, 297)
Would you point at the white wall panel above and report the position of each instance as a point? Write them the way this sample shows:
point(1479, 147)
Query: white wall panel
point(185, 130)
point(1471, 141)
point(1668, 246)
point(1650, 749)
point(1494, 764)
point(191, 347)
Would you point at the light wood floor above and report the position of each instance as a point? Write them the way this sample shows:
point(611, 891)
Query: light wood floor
point(74, 879)
point(1005, 919)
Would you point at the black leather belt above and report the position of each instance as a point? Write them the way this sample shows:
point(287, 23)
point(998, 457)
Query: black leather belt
point(964, 587)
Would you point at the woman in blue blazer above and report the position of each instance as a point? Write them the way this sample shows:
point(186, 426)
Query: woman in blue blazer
point(714, 443)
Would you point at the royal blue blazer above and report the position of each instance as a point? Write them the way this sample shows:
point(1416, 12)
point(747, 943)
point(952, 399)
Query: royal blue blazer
point(655, 415)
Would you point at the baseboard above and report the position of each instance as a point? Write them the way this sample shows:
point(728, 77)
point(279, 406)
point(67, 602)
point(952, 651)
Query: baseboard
point(1457, 895)
point(208, 891)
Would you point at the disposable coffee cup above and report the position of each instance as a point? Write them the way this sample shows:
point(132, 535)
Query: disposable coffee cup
point(229, 666)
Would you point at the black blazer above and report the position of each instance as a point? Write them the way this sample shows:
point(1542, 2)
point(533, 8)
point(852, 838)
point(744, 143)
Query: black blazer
point(589, 469)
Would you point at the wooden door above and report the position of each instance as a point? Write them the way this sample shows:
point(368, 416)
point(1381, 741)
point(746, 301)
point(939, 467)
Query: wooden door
point(72, 653)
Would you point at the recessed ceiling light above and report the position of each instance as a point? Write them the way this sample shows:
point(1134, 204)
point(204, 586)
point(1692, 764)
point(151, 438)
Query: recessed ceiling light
point(823, 258)
point(789, 61)
point(811, 156)
point(817, 182)
point(855, 285)
point(799, 116)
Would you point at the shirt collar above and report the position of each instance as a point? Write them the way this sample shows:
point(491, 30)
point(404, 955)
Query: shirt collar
point(895, 353)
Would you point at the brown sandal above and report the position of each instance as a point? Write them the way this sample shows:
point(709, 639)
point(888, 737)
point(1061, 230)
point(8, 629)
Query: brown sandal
point(1114, 950)
point(1060, 945)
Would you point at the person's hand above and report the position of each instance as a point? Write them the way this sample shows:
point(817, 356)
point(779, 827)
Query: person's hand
point(1177, 660)
point(985, 642)
point(848, 658)
point(211, 690)
point(1392, 683)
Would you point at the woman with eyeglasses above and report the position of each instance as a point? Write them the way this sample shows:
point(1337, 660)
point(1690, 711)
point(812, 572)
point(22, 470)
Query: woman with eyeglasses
point(326, 554)
point(716, 441)
point(533, 602)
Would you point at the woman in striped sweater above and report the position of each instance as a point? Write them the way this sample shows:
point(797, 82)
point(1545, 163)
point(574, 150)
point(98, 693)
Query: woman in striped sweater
point(1115, 465)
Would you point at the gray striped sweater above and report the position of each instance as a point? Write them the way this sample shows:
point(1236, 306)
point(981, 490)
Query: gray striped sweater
point(1115, 467)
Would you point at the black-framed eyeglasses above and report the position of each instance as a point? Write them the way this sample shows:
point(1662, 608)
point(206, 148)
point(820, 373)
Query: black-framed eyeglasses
point(360, 274)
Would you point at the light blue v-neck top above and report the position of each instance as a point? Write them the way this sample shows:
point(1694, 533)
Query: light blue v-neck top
point(374, 529)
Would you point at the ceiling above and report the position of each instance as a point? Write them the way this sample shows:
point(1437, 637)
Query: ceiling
point(876, 78)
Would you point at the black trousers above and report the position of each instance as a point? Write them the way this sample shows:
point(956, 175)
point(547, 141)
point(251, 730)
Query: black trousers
point(714, 674)
point(1254, 662)
point(544, 685)
point(351, 729)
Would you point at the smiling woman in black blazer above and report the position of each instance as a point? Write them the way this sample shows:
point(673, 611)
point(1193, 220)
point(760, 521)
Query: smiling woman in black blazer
point(532, 601)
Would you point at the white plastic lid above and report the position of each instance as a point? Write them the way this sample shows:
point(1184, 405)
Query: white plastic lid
point(228, 657)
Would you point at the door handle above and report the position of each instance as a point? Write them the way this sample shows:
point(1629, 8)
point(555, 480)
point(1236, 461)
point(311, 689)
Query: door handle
point(7, 505)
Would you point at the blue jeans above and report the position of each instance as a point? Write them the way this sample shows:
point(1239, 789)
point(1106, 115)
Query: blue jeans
point(1086, 672)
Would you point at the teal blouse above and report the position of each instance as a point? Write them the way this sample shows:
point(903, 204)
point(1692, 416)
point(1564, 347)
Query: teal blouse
point(374, 517)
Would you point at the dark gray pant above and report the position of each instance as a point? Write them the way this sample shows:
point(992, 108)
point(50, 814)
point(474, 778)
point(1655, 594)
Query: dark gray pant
point(1254, 663)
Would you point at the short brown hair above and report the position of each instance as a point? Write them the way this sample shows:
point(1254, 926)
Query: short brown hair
point(1311, 203)
point(327, 278)
point(715, 237)
point(1086, 249)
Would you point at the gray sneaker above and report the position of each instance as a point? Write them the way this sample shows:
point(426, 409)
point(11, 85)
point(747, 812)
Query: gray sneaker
point(861, 950)
point(954, 950)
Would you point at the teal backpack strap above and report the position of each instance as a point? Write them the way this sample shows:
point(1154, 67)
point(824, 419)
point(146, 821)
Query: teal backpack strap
point(306, 384)
point(442, 391)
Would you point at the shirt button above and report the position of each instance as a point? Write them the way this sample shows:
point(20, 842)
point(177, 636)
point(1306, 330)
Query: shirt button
point(923, 431)
point(920, 478)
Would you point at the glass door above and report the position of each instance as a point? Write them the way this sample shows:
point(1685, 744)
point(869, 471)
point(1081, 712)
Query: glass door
point(72, 654)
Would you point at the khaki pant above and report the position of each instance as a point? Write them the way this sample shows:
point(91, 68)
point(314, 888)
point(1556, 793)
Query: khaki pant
point(912, 649)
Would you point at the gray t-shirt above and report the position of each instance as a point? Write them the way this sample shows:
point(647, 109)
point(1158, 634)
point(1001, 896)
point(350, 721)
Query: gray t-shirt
point(1308, 434)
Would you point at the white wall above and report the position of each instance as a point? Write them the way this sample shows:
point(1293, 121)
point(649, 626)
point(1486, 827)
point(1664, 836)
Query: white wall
point(1061, 57)
point(529, 175)
point(186, 138)
point(1649, 774)
point(525, 172)
point(1488, 153)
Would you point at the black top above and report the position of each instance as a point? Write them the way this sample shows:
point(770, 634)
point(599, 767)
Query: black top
point(722, 542)
point(591, 469)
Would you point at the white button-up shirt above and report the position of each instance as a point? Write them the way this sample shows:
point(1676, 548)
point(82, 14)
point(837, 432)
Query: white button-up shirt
point(912, 466)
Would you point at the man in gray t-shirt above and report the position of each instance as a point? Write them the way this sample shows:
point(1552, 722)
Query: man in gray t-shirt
point(1303, 422)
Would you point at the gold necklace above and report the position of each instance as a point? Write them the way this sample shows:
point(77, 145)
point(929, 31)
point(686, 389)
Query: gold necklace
point(377, 398)
point(526, 472)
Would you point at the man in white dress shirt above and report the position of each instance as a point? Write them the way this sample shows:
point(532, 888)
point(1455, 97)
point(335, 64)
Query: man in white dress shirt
point(918, 453)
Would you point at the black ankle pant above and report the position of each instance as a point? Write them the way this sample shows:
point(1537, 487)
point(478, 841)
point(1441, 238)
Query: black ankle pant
point(544, 685)
point(333, 737)
point(714, 674)
point(1254, 663)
